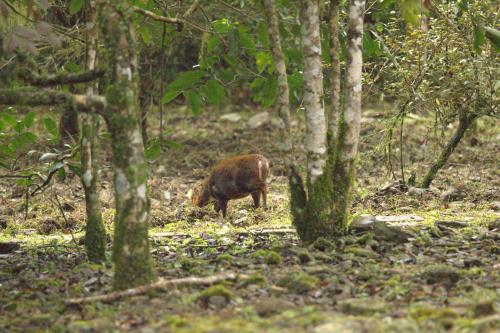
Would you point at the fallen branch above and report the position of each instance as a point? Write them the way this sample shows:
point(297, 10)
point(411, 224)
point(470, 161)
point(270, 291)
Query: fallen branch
point(160, 284)
point(28, 96)
point(61, 78)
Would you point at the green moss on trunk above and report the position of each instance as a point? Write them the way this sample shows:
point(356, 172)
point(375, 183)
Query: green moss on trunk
point(341, 198)
point(133, 263)
point(317, 216)
point(95, 233)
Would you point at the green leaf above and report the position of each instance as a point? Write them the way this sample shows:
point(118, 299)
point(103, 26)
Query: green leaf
point(295, 81)
point(494, 36)
point(153, 151)
point(212, 43)
point(29, 119)
point(61, 174)
point(50, 126)
point(24, 182)
point(222, 25)
point(270, 92)
point(185, 80)
point(23, 140)
point(370, 46)
point(75, 6)
point(10, 119)
point(75, 168)
point(265, 90)
point(226, 75)
point(170, 96)
point(19, 126)
point(213, 92)
point(29, 137)
point(194, 102)
point(262, 59)
point(172, 144)
point(145, 34)
point(247, 42)
point(72, 67)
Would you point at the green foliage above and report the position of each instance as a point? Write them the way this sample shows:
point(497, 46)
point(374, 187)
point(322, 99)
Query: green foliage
point(265, 90)
point(153, 151)
point(170, 96)
point(371, 47)
point(16, 136)
point(222, 26)
point(185, 80)
point(193, 101)
point(453, 62)
point(75, 6)
point(51, 126)
point(213, 92)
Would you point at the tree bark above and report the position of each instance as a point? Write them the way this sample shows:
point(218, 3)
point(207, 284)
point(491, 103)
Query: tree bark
point(95, 232)
point(283, 99)
point(316, 215)
point(315, 139)
point(464, 122)
point(133, 263)
point(335, 77)
point(348, 132)
point(61, 78)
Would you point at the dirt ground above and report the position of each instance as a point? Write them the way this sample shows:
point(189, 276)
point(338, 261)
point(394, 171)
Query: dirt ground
point(446, 278)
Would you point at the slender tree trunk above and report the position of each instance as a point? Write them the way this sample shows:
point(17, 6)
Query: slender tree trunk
point(464, 122)
point(313, 90)
point(348, 132)
point(283, 100)
point(334, 49)
point(316, 218)
point(133, 263)
point(144, 119)
point(95, 233)
point(298, 196)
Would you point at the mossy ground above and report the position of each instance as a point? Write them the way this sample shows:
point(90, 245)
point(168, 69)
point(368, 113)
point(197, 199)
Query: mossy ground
point(445, 279)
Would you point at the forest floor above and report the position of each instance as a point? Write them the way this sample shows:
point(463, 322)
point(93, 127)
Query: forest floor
point(446, 278)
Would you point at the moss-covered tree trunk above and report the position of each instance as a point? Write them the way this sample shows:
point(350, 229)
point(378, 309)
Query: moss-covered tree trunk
point(95, 233)
point(464, 122)
point(131, 256)
point(315, 221)
point(349, 127)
